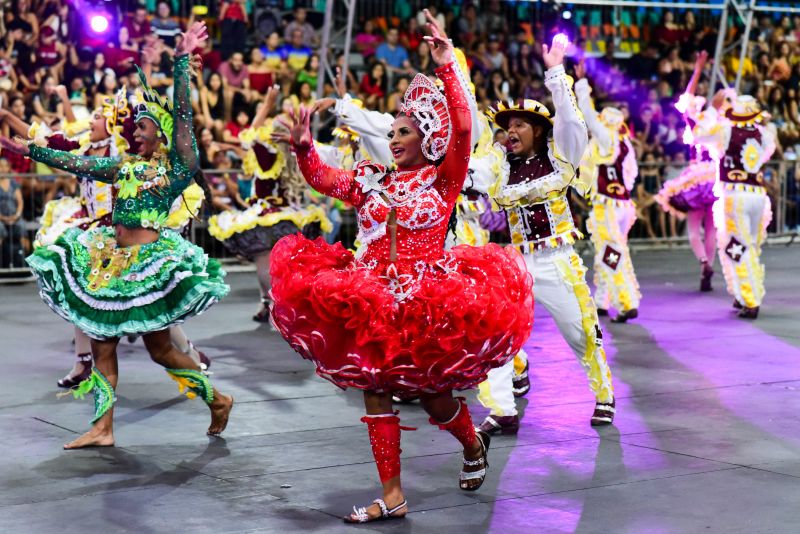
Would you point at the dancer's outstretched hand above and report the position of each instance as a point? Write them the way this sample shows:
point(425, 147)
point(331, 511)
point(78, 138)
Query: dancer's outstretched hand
point(272, 97)
point(580, 69)
point(196, 64)
point(554, 54)
point(323, 104)
point(14, 146)
point(441, 47)
point(719, 98)
point(341, 86)
point(192, 38)
point(702, 59)
point(62, 92)
point(299, 130)
point(151, 53)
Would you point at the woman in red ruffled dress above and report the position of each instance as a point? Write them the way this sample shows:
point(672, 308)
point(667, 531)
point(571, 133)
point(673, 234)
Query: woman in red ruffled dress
point(403, 314)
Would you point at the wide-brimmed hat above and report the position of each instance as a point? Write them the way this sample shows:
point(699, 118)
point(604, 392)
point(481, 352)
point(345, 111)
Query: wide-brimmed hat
point(530, 110)
point(745, 110)
point(346, 133)
point(614, 119)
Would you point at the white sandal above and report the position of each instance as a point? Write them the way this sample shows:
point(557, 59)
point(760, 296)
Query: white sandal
point(360, 515)
point(480, 474)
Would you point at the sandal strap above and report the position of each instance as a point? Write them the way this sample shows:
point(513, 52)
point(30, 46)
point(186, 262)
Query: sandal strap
point(360, 514)
point(473, 463)
point(382, 505)
point(385, 511)
point(472, 475)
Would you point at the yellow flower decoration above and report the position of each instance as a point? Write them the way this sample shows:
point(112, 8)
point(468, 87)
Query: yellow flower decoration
point(751, 156)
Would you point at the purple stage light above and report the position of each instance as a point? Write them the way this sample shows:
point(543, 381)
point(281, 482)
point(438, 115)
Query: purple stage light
point(99, 23)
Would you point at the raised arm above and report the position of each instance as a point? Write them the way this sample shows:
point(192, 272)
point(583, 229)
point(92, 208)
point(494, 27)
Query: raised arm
point(699, 65)
point(184, 156)
point(96, 168)
point(17, 125)
point(62, 93)
point(266, 107)
point(569, 129)
point(453, 170)
point(599, 131)
point(330, 181)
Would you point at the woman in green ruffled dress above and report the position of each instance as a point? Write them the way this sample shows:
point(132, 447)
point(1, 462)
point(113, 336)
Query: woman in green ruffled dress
point(137, 278)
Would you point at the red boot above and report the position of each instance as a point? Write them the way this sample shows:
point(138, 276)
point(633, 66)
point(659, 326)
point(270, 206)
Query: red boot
point(384, 436)
point(461, 427)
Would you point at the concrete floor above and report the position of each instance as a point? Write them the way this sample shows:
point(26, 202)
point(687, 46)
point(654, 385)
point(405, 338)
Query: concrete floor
point(707, 437)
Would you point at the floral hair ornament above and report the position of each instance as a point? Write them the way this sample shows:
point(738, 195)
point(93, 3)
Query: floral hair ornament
point(154, 107)
point(424, 103)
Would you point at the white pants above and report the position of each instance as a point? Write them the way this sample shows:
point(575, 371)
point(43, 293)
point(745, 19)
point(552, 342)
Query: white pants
point(614, 279)
point(742, 218)
point(559, 284)
point(496, 392)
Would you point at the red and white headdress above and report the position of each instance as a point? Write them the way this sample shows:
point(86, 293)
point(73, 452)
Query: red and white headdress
point(428, 107)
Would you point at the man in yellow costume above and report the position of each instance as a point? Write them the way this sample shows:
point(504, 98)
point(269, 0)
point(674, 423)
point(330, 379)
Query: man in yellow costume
point(541, 166)
point(609, 164)
point(740, 141)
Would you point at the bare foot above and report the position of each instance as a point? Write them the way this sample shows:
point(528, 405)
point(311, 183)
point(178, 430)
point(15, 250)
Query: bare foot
point(93, 438)
point(219, 415)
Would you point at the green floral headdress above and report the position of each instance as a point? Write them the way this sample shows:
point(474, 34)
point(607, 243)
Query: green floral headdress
point(156, 108)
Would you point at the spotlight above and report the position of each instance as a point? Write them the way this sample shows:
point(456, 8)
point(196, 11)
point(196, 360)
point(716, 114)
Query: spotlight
point(99, 23)
point(566, 14)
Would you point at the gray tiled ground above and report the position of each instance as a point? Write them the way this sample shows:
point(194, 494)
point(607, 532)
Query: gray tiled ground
point(707, 438)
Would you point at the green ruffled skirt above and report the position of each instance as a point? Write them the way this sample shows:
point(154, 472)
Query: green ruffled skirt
point(109, 291)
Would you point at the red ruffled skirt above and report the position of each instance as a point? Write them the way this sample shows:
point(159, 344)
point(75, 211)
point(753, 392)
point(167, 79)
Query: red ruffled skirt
point(464, 315)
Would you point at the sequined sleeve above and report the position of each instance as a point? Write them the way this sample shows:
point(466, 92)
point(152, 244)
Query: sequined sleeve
point(330, 181)
point(184, 155)
point(453, 170)
point(97, 168)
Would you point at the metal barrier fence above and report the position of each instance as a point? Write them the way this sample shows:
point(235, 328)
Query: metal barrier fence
point(16, 239)
point(653, 226)
point(627, 27)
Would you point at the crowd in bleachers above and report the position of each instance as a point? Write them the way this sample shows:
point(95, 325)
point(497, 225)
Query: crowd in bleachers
point(637, 59)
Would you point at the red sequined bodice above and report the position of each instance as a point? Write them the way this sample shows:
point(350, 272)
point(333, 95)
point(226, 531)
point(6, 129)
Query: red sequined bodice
point(421, 216)
point(422, 197)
